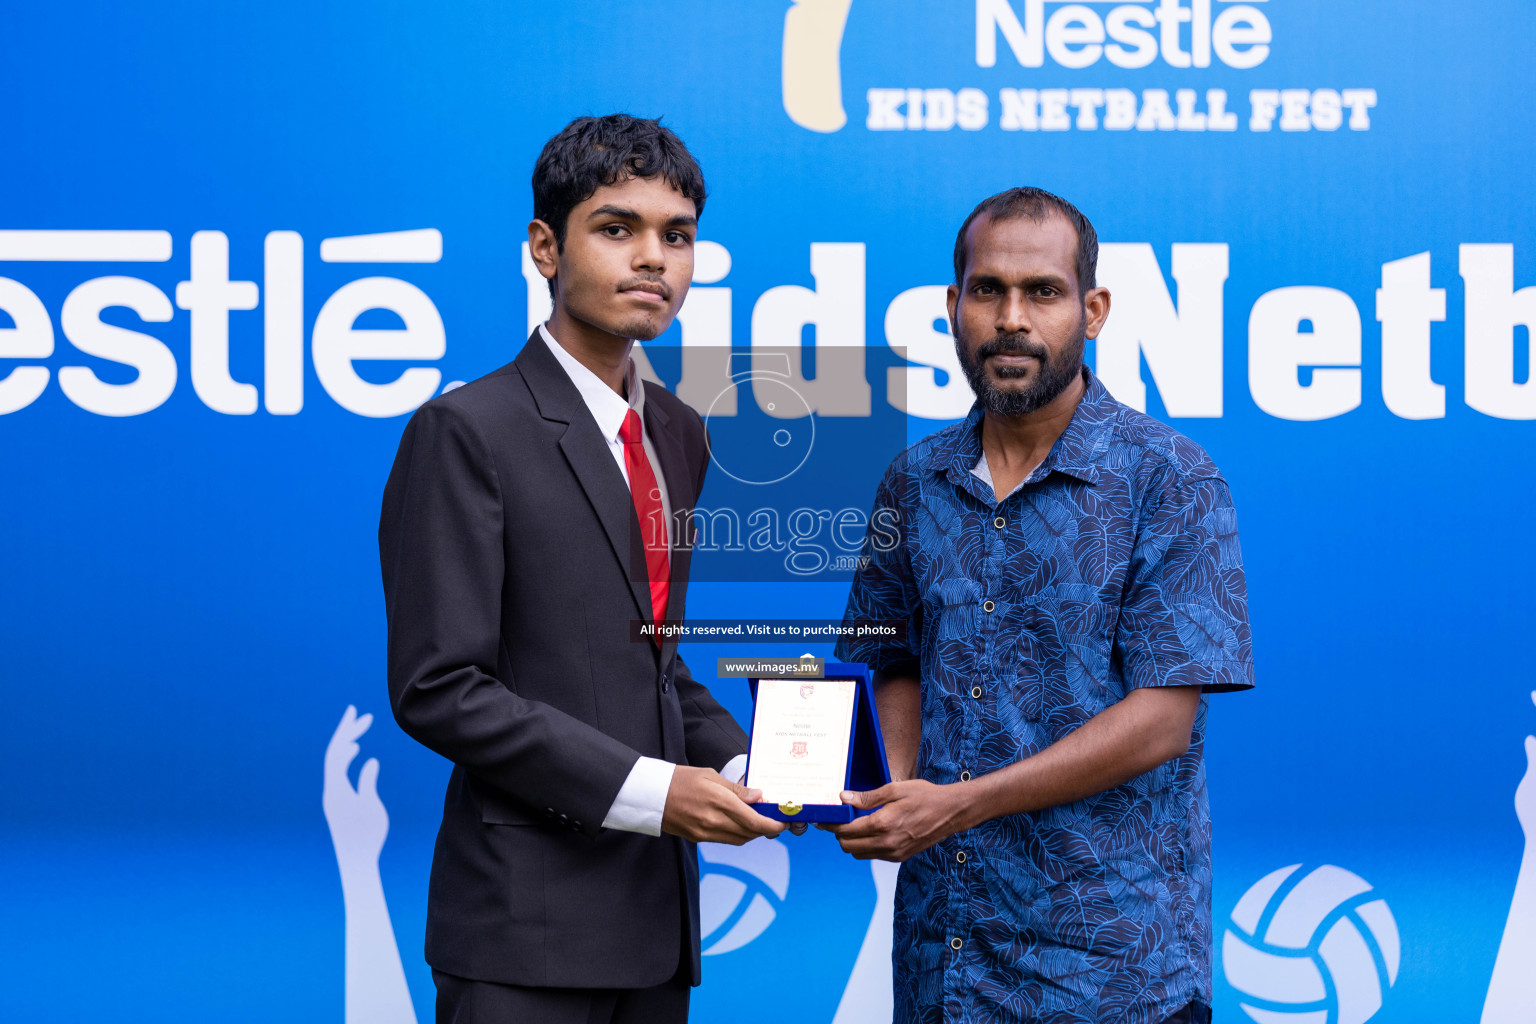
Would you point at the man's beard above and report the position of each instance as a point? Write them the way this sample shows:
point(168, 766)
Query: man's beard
point(1051, 378)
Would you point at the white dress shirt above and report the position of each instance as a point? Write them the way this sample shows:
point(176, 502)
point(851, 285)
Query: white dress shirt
point(642, 799)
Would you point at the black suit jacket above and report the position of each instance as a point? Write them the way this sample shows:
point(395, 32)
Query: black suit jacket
point(513, 569)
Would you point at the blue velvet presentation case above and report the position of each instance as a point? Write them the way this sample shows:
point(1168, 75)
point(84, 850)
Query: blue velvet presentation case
point(867, 767)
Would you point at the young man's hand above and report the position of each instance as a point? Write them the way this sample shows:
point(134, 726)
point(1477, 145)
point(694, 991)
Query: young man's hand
point(705, 808)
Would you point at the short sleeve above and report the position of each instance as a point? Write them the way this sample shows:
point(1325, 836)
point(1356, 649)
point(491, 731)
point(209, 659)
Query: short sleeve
point(1184, 620)
point(884, 593)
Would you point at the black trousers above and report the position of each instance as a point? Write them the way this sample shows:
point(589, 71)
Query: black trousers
point(462, 1001)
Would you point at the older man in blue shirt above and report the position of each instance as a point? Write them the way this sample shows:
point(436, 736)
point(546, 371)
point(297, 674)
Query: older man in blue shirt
point(1069, 573)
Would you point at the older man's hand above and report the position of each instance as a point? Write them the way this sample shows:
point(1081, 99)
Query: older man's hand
point(912, 815)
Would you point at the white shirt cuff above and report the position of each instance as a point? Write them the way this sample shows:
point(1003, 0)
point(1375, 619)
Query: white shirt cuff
point(643, 798)
point(735, 769)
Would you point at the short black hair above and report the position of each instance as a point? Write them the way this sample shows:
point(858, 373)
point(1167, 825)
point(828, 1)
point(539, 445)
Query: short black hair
point(1036, 204)
point(591, 152)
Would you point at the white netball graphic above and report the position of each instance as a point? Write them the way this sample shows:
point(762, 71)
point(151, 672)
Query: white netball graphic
point(1324, 951)
point(740, 891)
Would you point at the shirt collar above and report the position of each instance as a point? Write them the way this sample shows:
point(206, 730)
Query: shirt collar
point(1074, 453)
point(607, 408)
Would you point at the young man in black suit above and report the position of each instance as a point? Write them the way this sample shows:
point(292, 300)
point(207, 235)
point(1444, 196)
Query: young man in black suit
point(530, 517)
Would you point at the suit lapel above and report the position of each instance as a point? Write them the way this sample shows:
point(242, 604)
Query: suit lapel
point(679, 479)
point(587, 453)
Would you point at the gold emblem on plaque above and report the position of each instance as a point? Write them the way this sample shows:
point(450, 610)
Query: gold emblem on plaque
point(791, 808)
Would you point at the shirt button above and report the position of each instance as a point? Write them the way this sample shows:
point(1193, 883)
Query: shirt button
point(988, 606)
point(999, 522)
point(964, 777)
point(955, 943)
point(960, 857)
point(976, 692)
point(664, 686)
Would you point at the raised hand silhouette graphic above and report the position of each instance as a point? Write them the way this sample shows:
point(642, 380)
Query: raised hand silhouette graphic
point(1512, 991)
point(376, 991)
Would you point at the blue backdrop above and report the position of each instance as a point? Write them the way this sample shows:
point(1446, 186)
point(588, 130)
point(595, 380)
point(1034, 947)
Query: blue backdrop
point(189, 592)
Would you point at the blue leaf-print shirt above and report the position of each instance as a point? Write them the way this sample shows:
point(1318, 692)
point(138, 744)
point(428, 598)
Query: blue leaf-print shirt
point(1115, 565)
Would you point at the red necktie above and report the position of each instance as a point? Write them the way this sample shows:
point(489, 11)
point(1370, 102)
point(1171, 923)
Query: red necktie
point(653, 523)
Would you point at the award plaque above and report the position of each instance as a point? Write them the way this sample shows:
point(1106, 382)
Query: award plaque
point(812, 739)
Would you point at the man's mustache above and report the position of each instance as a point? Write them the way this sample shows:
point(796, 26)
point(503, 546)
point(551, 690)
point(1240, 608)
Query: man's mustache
point(1016, 344)
point(655, 281)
